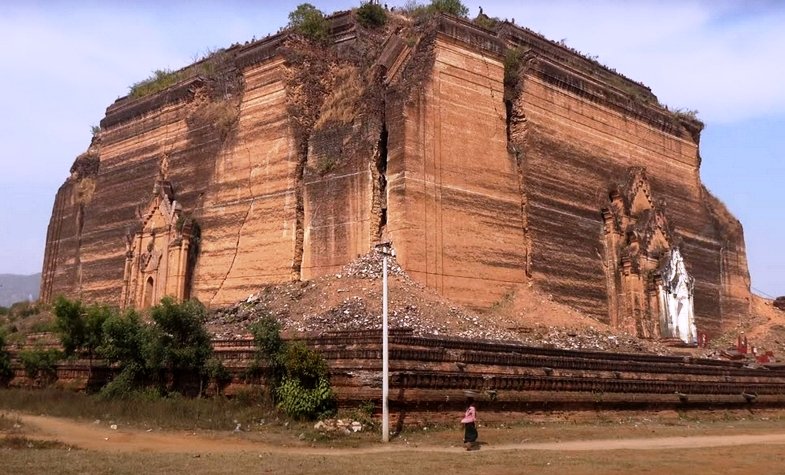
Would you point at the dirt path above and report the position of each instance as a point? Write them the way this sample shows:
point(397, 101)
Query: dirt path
point(101, 438)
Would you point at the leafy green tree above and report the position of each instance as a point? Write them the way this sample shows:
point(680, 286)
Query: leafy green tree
point(123, 337)
point(309, 21)
point(178, 341)
point(80, 328)
point(298, 375)
point(305, 390)
point(41, 364)
point(269, 346)
point(371, 15)
point(303, 363)
point(217, 374)
point(94, 319)
point(122, 345)
point(70, 324)
point(183, 340)
point(301, 402)
point(5, 360)
point(267, 337)
point(175, 343)
point(453, 7)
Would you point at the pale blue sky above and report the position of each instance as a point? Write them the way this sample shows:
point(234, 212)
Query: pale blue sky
point(64, 62)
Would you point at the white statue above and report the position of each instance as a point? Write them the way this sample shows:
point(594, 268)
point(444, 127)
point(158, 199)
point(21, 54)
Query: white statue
point(677, 316)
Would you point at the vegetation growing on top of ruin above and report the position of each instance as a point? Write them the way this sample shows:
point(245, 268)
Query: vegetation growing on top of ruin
point(371, 15)
point(687, 119)
point(484, 21)
point(309, 21)
point(209, 66)
point(512, 63)
point(451, 7)
point(687, 114)
point(160, 80)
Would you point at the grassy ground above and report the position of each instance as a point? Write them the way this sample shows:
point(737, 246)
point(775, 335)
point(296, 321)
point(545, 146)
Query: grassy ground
point(428, 449)
point(255, 415)
point(166, 413)
point(738, 460)
point(251, 410)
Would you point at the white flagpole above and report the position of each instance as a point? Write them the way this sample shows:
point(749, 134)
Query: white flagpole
point(385, 360)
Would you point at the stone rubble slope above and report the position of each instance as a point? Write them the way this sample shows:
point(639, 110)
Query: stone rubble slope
point(351, 300)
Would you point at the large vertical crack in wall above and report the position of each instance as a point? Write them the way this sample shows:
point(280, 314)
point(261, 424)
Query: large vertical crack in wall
point(299, 220)
point(379, 176)
point(309, 79)
point(516, 126)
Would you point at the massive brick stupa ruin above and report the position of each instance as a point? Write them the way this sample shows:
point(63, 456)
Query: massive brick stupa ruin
point(490, 159)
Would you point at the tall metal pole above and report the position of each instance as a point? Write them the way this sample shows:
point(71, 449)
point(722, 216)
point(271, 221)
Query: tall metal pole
point(385, 359)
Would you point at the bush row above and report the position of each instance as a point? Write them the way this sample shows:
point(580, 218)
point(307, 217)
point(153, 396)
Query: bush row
point(173, 354)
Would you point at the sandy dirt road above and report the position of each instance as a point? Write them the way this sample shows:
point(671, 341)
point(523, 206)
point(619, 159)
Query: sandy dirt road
point(99, 437)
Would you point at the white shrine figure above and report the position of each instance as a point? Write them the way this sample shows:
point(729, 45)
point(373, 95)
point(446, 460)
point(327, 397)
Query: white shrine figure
point(677, 317)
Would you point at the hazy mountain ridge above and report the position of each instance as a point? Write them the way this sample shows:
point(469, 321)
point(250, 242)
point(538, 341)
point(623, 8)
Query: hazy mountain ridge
point(15, 288)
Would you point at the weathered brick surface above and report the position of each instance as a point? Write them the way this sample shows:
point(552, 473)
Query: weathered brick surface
point(314, 156)
point(454, 194)
point(573, 150)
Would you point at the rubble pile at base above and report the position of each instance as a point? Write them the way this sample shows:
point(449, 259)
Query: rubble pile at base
point(351, 300)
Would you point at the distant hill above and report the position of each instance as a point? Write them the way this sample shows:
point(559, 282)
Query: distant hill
point(15, 288)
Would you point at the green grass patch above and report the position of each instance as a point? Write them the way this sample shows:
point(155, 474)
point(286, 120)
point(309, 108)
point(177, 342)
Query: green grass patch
point(145, 410)
point(160, 80)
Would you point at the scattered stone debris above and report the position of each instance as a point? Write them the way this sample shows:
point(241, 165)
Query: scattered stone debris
point(338, 426)
point(351, 300)
point(370, 266)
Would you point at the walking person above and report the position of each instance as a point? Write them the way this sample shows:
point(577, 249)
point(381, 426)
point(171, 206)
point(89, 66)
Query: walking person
point(469, 422)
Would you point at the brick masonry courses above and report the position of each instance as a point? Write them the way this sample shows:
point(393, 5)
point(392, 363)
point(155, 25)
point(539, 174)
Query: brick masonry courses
point(407, 134)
